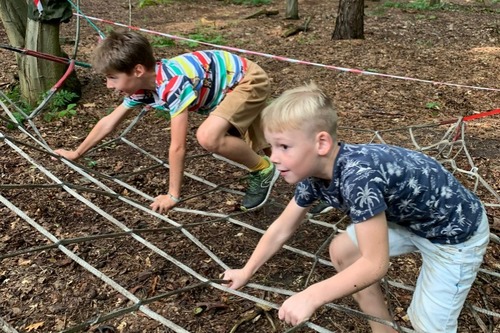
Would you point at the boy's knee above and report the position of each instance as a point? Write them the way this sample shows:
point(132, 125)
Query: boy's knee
point(207, 141)
point(342, 252)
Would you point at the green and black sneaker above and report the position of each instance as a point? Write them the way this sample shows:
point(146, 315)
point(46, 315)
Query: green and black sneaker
point(320, 208)
point(260, 184)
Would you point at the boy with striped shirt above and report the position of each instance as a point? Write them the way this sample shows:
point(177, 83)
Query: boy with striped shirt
point(228, 88)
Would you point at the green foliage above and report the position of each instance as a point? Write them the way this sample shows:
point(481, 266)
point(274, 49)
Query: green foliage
point(60, 106)
point(205, 36)
point(426, 17)
point(162, 114)
point(250, 2)
point(62, 98)
point(487, 2)
point(434, 106)
point(159, 41)
point(19, 119)
point(414, 4)
point(424, 5)
point(108, 29)
point(90, 162)
point(306, 39)
point(145, 3)
point(14, 95)
point(376, 11)
point(69, 112)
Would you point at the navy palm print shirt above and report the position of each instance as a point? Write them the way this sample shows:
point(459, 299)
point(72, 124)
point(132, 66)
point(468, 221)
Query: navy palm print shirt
point(413, 189)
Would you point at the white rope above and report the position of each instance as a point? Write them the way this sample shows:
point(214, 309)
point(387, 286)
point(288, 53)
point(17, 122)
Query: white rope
point(446, 146)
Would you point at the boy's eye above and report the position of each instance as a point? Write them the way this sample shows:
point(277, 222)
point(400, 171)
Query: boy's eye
point(284, 147)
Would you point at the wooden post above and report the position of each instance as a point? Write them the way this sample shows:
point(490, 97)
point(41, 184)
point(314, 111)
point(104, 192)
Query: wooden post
point(292, 10)
point(38, 74)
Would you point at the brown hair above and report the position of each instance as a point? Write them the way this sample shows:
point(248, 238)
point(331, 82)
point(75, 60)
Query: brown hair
point(121, 51)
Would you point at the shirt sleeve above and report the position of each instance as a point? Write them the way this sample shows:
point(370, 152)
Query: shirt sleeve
point(305, 193)
point(139, 98)
point(131, 103)
point(177, 94)
point(364, 196)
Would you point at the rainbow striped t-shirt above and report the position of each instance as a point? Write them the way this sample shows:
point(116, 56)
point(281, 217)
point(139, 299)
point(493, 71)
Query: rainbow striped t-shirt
point(196, 81)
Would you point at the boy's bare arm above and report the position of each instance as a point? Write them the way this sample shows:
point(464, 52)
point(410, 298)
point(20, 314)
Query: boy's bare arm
point(176, 157)
point(370, 267)
point(105, 126)
point(270, 243)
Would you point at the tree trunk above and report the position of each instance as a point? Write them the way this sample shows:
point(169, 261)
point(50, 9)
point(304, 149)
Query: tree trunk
point(39, 75)
point(13, 14)
point(36, 76)
point(292, 9)
point(349, 23)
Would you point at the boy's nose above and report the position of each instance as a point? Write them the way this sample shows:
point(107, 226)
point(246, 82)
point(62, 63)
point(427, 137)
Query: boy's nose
point(109, 84)
point(273, 158)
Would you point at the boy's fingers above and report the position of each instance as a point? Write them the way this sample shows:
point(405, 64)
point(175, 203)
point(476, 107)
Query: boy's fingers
point(224, 281)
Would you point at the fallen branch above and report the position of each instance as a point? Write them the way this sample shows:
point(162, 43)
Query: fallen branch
point(296, 30)
point(262, 12)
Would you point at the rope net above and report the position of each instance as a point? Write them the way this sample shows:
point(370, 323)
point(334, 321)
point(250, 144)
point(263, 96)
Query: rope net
point(87, 219)
point(82, 235)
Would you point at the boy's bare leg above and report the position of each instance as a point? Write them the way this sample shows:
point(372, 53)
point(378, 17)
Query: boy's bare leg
point(371, 300)
point(212, 136)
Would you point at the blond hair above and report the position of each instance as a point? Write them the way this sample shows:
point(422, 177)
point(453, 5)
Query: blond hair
point(121, 51)
point(304, 108)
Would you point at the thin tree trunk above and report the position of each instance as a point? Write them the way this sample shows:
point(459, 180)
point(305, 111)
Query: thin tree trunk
point(13, 15)
point(40, 75)
point(349, 23)
point(292, 9)
point(36, 76)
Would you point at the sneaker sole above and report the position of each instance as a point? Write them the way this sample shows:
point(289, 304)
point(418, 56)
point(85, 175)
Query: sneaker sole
point(325, 210)
point(271, 184)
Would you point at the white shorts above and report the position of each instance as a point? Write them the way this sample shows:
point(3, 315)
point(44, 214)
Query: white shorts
point(445, 278)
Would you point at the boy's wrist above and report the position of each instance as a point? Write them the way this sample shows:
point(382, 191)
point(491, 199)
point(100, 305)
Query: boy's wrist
point(173, 197)
point(248, 271)
point(317, 295)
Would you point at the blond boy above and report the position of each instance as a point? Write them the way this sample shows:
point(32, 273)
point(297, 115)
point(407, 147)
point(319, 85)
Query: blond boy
point(399, 201)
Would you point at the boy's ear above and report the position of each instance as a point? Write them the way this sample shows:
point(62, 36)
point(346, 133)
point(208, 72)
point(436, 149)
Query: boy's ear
point(324, 143)
point(139, 70)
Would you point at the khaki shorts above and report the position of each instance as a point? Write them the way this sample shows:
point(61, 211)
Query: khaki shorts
point(242, 106)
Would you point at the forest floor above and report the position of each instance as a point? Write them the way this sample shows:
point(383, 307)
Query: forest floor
point(427, 66)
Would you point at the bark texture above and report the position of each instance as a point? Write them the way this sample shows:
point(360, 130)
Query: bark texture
point(292, 9)
point(349, 23)
point(27, 28)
